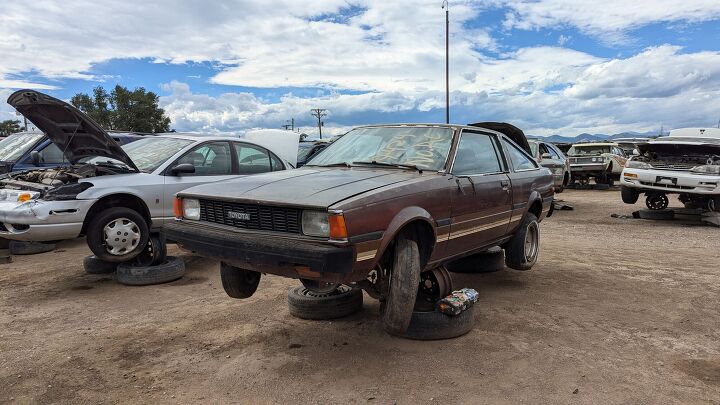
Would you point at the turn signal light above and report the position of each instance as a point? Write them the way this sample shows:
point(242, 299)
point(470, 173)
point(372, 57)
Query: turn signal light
point(178, 208)
point(337, 226)
point(24, 197)
point(631, 175)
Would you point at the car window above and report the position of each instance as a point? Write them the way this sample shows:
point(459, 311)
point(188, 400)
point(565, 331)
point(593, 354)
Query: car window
point(275, 163)
point(520, 160)
point(150, 153)
point(14, 146)
point(252, 159)
point(51, 154)
point(476, 154)
point(210, 159)
point(553, 153)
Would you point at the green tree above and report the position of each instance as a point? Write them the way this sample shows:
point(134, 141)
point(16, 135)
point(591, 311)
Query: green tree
point(8, 127)
point(123, 109)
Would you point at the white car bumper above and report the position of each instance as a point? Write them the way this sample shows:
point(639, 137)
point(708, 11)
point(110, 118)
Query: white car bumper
point(671, 181)
point(39, 220)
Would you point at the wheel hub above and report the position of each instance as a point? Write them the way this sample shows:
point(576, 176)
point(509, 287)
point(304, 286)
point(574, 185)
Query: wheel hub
point(121, 236)
point(531, 243)
point(434, 284)
point(319, 287)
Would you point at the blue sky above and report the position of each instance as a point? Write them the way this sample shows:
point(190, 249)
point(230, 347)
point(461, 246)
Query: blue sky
point(550, 66)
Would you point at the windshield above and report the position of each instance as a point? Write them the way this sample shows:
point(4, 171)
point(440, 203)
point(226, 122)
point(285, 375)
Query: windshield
point(16, 145)
point(424, 147)
point(588, 150)
point(304, 150)
point(147, 153)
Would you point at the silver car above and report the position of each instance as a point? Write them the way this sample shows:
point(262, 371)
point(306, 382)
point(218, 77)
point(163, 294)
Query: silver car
point(551, 157)
point(117, 196)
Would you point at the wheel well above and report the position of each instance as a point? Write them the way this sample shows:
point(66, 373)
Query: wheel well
point(536, 208)
point(117, 200)
point(566, 178)
point(421, 232)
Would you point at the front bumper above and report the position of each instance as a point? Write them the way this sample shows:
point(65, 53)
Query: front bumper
point(262, 252)
point(39, 220)
point(593, 168)
point(671, 181)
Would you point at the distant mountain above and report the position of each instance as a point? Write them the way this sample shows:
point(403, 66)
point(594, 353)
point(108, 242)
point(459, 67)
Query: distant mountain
point(595, 137)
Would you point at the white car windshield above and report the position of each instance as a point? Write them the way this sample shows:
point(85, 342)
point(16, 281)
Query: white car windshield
point(422, 147)
point(588, 150)
point(16, 145)
point(148, 153)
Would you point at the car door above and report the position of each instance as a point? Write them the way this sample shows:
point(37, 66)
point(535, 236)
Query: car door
point(522, 176)
point(253, 159)
point(481, 203)
point(213, 161)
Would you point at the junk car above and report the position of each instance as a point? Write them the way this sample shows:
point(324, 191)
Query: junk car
point(686, 163)
point(602, 161)
point(377, 209)
point(116, 196)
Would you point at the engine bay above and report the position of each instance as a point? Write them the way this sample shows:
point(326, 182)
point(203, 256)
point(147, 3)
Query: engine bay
point(679, 154)
point(44, 180)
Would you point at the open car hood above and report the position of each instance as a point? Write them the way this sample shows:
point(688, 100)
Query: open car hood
point(511, 131)
point(76, 134)
point(283, 143)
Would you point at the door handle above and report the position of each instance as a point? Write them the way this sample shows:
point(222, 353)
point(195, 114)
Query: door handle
point(505, 185)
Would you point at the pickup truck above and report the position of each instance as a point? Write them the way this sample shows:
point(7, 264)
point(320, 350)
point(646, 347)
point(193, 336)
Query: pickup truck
point(374, 210)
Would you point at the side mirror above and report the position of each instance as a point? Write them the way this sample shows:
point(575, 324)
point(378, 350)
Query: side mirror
point(636, 152)
point(546, 156)
point(182, 168)
point(35, 157)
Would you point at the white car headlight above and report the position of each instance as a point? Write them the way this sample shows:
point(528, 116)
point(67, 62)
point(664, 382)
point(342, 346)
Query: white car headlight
point(636, 164)
point(191, 208)
point(315, 223)
point(706, 169)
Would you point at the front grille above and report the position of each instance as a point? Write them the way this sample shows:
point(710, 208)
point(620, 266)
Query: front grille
point(584, 160)
point(259, 217)
point(673, 166)
point(664, 185)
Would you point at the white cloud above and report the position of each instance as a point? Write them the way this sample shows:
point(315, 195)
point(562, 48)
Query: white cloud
point(391, 50)
point(608, 17)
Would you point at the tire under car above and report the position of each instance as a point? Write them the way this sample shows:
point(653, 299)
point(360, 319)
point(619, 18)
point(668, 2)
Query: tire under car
point(306, 304)
point(93, 265)
point(171, 269)
point(29, 248)
point(434, 325)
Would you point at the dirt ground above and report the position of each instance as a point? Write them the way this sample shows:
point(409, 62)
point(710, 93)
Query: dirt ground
point(616, 311)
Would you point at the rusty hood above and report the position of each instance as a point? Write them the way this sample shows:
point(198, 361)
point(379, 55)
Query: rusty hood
point(308, 187)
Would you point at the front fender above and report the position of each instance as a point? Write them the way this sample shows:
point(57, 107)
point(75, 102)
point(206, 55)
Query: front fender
point(401, 219)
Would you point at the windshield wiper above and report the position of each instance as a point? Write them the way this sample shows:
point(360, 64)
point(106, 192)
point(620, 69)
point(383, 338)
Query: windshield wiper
point(395, 165)
point(338, 164)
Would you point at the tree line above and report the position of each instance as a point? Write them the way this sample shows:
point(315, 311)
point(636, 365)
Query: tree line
point(121, 109)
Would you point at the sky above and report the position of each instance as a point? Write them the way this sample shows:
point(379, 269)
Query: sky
point(548, 66)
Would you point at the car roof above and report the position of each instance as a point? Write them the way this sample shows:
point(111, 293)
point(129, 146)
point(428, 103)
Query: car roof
point(201, 137)
point(595, 144)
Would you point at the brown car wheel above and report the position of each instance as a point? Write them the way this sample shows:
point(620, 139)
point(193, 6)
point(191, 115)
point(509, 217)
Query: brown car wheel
point(397, 308)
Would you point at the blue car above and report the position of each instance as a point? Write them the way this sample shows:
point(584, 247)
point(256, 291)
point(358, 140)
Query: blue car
point(32, 150)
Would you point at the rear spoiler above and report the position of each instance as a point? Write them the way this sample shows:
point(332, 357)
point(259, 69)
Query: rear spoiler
point(509, 130)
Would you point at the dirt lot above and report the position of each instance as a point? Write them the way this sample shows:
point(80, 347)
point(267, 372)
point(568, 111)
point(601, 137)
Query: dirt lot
point(617, 311)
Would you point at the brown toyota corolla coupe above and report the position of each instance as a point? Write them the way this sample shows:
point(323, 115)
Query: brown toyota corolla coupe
point(374, 210)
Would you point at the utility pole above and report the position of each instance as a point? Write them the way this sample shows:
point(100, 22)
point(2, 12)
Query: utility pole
point(446, 6)
point(319, 113)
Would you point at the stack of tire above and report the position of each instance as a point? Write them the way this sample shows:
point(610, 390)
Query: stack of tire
point(151, 266)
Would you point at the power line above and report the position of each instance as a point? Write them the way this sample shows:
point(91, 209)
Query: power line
point(319, 113)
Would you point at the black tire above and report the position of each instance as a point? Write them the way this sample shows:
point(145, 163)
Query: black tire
point(155, 252)
point(657, 214)
point(397, 307)
point(18, 247)
point(172, 269)
point(95, 234)
point(657, 201)
point(486, 262)
point(516, 255)
point(436, 325)
point(238, 283)
point(559, 189)
point(629, 195)
point(610, 181)
point(306, 304)
point(93, 265)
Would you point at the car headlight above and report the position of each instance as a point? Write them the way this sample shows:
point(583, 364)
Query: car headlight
point(636, 164)
point(191, 208)
point(706, 169)
point(315, 223)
